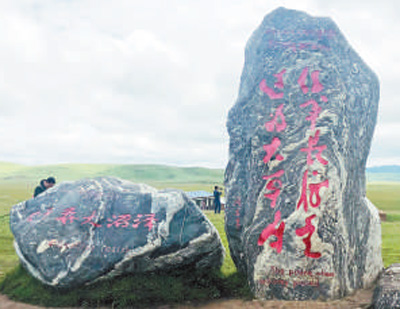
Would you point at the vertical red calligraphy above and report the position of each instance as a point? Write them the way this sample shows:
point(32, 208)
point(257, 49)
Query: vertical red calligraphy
point(315, 197)
point(312, 146)
point(279, 84)
point(274, 184)
point(316, 86)
point(315, 192)
point(314, 113)
point(308, 229)
point(303, 197)
point(271, 149)
point(278, 122)
point(272, 230)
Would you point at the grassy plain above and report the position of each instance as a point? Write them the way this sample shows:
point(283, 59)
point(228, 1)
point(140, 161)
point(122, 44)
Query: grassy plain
point(157, 288)
point(386, 196)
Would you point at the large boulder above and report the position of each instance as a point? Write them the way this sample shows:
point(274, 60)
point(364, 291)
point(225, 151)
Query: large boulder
point(82, 231)
point(297, 219)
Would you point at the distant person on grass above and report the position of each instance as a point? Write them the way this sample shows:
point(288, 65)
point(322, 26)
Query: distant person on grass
point(44, 185)
point(217, 201)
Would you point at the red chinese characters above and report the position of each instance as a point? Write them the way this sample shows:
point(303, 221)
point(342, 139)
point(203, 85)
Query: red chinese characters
point(308, 230)
point(316, 86)
point(310, 192)
point(274, 184)
point(119, 221)
point(31, 216)
point(314, 113)
point(147, 219)
point(278, 122)
point(272, 230)
point(38, 213)
point(303, 197)
point(279, 84)
point(67, 214)
point(271, 149)
point(314, 197)
point(312, 146)
point(89, 220)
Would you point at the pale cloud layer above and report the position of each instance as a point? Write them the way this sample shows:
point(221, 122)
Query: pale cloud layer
point(152, 82)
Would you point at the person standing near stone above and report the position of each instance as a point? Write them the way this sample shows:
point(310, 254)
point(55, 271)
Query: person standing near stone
point(44, 185)
point(217, 201)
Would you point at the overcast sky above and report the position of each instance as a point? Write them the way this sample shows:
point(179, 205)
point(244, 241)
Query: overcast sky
point(153, 81)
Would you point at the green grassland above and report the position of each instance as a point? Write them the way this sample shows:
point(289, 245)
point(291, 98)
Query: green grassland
point(17, 183)
point(386, 196)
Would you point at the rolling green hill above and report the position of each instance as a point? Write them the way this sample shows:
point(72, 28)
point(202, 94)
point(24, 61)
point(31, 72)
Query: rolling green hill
point(152, 174)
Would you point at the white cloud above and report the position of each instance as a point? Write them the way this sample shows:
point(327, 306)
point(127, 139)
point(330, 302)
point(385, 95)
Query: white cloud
point(135, 82)
point(385, 146)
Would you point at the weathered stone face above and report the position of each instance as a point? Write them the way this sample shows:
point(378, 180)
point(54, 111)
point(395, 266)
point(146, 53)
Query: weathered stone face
point(79, 232)
point(386, 293)
point(297, 219)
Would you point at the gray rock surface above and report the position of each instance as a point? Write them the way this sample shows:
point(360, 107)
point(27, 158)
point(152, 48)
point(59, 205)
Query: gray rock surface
point(297, 219)
point(79, 232)
point(387, 292)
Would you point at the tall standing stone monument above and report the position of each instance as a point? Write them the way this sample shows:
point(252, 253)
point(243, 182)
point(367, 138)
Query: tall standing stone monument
point(297, 219)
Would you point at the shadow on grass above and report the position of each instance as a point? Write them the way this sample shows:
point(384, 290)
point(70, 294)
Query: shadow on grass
point(136, 290)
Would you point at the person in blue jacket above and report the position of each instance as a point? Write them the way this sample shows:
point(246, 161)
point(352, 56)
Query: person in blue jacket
point(217, 200)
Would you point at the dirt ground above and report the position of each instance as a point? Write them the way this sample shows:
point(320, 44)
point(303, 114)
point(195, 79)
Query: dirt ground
point(362, 299)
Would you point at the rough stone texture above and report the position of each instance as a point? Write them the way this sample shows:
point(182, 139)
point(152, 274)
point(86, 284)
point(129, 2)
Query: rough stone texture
point(297, 219)
point(387, 292)
point(79, 232)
